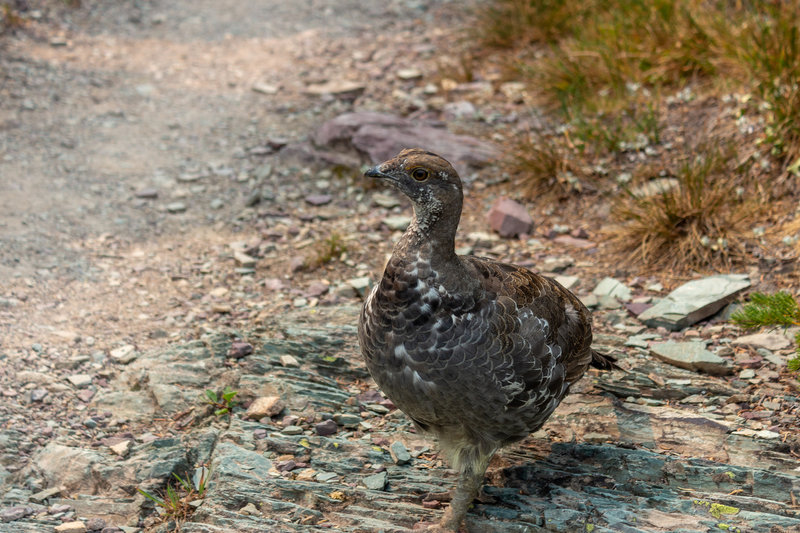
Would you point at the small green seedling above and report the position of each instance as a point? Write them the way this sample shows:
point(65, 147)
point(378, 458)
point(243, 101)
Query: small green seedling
point(176, 506)
point(223, 403)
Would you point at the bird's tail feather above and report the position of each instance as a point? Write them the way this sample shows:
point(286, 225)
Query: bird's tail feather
point(604, 361)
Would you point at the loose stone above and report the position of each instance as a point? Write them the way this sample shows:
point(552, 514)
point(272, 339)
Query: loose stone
point(265, 406)
point(399, 453)
point(326, 427)
point(376, 481)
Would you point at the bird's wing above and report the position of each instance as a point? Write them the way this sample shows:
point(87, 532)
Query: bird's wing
point(538, 297)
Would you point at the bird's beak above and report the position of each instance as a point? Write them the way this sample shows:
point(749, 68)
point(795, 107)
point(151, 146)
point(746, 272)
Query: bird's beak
point(375, 172)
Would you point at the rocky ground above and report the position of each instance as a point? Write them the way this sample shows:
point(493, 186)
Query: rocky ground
point(181, 210)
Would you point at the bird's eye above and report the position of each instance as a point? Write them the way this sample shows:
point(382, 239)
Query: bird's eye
point(419, 174)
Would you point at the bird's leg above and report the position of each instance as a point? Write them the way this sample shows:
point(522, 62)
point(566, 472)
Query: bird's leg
point(470, 479)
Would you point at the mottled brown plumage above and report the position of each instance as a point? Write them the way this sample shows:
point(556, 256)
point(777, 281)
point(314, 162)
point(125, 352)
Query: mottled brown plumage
point(475, 351)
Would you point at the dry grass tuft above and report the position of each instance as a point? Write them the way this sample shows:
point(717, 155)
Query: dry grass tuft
point(541, 166)
point(326, 250)
point(700, 224)
point(10, 18)
point(769, 47)
point(601, 55)
point(619, 73)
point(510, 23)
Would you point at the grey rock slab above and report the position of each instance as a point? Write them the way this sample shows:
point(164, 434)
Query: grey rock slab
point(124, 354)
point(176, 207)
point(361, 284)
point(125, 404)
point(399, 453)
point(590, 300)
point(324, 477)
point(691, 356)
point(614, 288)
point(548, 485)
point(232, 461)
point(244, 260)
point(770, 341)
point(639, 341)
point(37, 395)
point(69, 467)
point(569, 282)
point(694, 301)
point(45, 494)
point(556, 264)
point(460, 109)
point(80, 381)
point(376, 481)
point(173, 398)
point(397, 223)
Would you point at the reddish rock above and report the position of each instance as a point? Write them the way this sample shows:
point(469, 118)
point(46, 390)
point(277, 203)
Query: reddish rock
point(352, 139)
point(274, 284)
point(317, 289)
point(370, 396)
point(509, 218)
point(575, 242)
point(297, 263)
point(240, 349)
point(326, 427)
point(637, 308)
point(752, 362)
point(319, 199)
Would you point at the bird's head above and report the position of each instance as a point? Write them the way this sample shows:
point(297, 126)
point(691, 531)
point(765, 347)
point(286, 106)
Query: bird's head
point(429, 180)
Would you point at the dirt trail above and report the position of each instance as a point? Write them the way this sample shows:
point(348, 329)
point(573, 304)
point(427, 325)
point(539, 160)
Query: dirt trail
point(101, 103)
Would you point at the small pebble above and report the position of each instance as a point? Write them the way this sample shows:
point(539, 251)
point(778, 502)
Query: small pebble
point(176, 207)
point(240, 349)
point(289, 361)
point(375, 481)
point(399, 453)
point(326, 427)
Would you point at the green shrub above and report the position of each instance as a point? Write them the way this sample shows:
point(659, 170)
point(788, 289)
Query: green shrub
point(772, 310)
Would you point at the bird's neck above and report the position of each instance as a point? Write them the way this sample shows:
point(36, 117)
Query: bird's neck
point(431, 235)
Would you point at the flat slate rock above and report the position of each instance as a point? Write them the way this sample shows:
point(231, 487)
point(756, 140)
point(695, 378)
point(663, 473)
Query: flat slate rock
point(691, 356)
point(366, 137)
point(614, 288)
point(542, 485)
point(694, 301)
point(770, 341)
